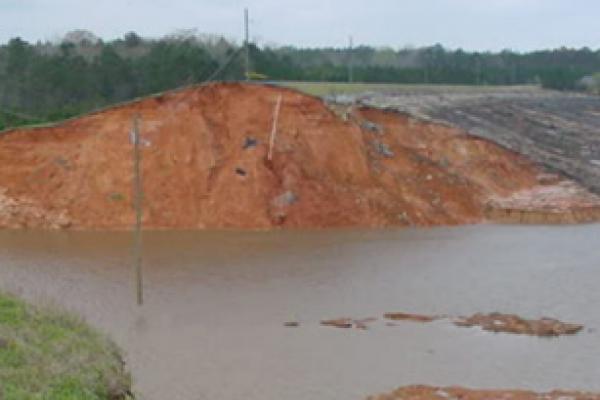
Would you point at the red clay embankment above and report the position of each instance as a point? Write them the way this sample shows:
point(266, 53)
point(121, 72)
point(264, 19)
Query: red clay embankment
point(205, 165)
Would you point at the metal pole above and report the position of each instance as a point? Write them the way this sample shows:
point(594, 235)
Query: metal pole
point(138, 199)
point(246, 43)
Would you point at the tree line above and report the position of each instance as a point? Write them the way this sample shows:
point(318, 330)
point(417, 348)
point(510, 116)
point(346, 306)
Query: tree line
point(47, 81)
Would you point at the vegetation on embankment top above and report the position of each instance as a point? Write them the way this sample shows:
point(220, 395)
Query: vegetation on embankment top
point(52, 356)
point(324, 89)
point(52, 81)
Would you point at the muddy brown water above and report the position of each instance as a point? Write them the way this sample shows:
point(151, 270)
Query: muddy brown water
point(212, 326)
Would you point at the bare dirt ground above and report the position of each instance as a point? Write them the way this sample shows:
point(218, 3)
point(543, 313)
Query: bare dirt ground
point(205, 165)
point(560, 131)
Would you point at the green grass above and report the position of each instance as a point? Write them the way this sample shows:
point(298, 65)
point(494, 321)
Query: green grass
point(47, 355)
point(330, 88)
point(9, 119)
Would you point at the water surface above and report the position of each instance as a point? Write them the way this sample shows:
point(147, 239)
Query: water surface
point(212, 325)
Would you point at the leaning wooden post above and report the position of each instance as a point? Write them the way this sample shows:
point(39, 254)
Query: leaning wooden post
point(274, 128)
point(138, 199)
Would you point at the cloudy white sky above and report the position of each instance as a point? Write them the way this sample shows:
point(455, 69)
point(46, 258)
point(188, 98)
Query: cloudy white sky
point(470, 24)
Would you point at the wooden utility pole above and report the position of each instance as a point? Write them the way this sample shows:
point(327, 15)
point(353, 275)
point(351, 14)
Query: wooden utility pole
point(274, 128)
point(138, 200)
point(247, 43)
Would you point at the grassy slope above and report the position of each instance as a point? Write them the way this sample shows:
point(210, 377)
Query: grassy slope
point(46, 355)
point(8, 119)
point(330, 88)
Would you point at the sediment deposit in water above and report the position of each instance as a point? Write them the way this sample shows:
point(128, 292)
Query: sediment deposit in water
point(510, 323)
point(206, 164)
point(437, 393)
point(400, 316)
point(493, 322)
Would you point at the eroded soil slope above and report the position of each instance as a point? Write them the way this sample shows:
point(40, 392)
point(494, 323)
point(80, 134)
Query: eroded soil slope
point(559, 130)
point(205, 165)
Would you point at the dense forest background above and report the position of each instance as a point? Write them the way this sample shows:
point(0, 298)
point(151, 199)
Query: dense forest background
point(49, 81)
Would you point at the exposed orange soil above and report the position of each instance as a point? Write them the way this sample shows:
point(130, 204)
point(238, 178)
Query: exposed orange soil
point(399, 316)
point(436, 393)
point(493, 322)
point(349, 322)
point(509, 323)
point(205, 166)
point(512, 187)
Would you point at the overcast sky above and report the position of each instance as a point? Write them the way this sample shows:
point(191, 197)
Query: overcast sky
point(470, 24)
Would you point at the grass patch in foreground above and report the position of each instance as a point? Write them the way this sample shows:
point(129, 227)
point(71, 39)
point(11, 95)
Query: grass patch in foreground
point(47, 355)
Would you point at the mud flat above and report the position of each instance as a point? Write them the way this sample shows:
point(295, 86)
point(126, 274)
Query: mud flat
point(438, 393)
point(211, 160)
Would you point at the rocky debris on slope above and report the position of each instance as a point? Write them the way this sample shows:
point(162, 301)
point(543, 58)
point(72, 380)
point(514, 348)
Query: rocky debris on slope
point(249, 143)
point(25, 213)
point(542, 197)
point(281, 204)
point(372, 127)
point(421, 392)
point(285, 199)
point(206, 166)
point(557, 196)
point(546, 203)
point(509, 323)
point(560, 131)
point(382, 149)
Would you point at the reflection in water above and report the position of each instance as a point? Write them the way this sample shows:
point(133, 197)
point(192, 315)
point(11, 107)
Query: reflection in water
point(212, 326)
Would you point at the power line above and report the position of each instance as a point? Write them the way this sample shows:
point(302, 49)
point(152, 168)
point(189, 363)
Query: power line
point(223, 66)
